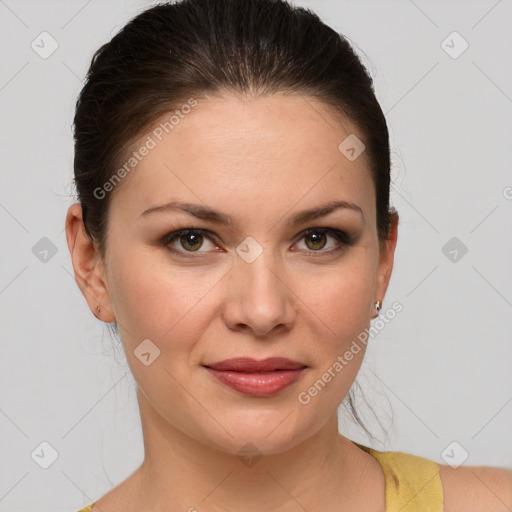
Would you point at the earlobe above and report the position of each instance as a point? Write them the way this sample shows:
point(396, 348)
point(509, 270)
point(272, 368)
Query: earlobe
point(377, 306)
point(88, 266)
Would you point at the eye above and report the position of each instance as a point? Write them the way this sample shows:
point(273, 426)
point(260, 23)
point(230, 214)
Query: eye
point(315, 239)
point(192, 239)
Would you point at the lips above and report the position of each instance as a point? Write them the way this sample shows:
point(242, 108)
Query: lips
point(257, 378)
point(248, 365)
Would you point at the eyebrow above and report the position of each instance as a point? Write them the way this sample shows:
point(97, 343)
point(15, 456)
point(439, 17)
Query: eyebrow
point(205, 213)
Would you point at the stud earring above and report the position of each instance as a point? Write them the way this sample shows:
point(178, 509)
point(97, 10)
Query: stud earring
point(378, 306)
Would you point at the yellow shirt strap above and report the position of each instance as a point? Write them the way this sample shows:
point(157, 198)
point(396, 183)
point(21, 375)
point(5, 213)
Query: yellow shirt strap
point(413, 483)
point(88, 508)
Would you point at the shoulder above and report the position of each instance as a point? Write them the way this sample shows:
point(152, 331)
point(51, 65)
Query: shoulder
point(476, 488)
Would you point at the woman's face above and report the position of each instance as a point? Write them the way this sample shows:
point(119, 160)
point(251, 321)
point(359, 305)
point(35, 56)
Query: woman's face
point(257, 287)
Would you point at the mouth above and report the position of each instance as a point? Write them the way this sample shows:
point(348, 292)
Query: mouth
point(257, 378)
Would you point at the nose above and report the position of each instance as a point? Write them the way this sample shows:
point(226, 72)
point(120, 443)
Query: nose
point(258, 299)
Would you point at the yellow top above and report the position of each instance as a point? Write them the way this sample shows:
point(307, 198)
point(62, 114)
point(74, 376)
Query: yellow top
point(412, 482)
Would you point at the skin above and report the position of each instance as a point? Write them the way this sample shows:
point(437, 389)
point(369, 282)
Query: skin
point(260, 161)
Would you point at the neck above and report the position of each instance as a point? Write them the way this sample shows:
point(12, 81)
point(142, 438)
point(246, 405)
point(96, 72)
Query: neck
point(181, 473)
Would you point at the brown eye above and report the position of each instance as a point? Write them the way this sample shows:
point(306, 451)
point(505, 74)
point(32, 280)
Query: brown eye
point(191, 241)
point(318, 240)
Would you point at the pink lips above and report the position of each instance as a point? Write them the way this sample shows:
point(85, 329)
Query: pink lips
point(257, 378)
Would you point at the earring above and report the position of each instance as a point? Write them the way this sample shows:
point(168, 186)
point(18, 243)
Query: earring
point(378, 306)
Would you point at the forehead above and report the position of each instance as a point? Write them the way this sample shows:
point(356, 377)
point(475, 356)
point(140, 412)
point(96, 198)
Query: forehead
point(233, 151)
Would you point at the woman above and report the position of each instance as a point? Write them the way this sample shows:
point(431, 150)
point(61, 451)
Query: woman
point(232, 168)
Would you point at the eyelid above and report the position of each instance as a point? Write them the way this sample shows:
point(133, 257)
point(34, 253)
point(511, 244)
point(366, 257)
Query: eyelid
point(339, 234)
point(167, 239)
point(343, 238)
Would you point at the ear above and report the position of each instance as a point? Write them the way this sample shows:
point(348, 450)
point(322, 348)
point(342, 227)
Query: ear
point(386, 258)
point(88, 266)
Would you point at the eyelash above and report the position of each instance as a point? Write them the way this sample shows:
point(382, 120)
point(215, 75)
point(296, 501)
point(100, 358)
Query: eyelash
point(342, 237)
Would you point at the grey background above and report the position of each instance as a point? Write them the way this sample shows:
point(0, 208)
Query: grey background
point(439, 373)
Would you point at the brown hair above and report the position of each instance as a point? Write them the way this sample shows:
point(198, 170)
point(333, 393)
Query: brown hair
point(202, 48)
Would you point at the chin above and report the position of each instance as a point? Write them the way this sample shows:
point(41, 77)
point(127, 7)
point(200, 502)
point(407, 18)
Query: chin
point(260, 434)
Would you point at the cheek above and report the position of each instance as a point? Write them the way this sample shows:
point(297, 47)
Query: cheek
point(341, 299)
point(151, 300)
point(338, 306)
